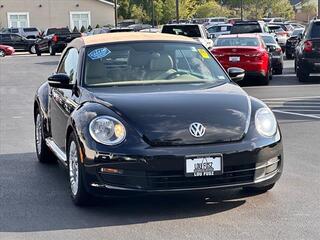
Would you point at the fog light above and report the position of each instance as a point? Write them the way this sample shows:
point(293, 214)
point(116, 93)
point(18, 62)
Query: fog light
point(111, 170)
point(272, 165)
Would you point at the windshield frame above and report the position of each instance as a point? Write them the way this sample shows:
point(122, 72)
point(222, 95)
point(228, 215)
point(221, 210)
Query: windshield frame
point(85, 50)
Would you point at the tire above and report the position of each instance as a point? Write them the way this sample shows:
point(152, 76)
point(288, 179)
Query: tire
point(289, 56)
point(38, 50)
point(79, 195)
point(265, 80)
point(44, 154)
point(302, 76)
point(278, 71)
point(32, 49)
point(51, 50)
point(254, 189)
point(2, 53)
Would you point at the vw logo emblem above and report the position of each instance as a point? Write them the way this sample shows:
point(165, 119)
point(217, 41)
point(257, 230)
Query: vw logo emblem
point(197, 129)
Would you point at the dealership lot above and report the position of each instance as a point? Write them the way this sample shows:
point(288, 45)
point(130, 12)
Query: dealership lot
point(35, 200)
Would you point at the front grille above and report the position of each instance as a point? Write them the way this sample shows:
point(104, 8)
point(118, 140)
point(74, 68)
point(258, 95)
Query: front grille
point(177, 179)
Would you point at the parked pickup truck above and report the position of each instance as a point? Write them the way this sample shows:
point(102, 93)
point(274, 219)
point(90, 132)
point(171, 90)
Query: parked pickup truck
point(54, 40)
point(307, 60)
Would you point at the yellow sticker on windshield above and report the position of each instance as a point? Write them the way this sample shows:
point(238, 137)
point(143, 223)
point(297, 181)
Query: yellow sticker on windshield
point(203, 53)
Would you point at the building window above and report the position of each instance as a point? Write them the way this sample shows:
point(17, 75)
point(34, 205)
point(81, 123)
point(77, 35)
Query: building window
point(79, 19)
point(18, 19)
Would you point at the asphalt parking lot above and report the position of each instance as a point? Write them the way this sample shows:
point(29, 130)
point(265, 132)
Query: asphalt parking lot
point(35, 202)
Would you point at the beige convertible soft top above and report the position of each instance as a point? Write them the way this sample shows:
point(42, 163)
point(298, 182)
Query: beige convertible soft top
point(128, 36)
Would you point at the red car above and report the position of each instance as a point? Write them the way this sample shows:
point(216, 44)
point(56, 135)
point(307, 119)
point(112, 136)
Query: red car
point(246, 51)
point(6, 50)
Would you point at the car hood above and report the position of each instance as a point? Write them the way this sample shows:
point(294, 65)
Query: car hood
point(164, 118)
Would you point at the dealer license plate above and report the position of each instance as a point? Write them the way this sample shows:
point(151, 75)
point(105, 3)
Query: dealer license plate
point(234, 59)
point(203, 166)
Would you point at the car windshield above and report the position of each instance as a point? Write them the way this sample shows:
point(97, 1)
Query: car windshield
point(185, 30)
point(296, 32)
point(237, 41)
point(269, 40)
point(58, 31)
point(315, 31)
point(150, 63)
point(246, 28)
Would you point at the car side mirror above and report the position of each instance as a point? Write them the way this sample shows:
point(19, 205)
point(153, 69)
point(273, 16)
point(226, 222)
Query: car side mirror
point(300, 35)
point(236, 74)
point(60, 80)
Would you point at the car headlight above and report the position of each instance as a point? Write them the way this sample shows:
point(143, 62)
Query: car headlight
point(265, 122)
point(107, 130)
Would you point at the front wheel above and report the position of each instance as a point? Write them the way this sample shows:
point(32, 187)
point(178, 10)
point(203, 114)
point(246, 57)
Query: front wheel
point(259, 189)
point(44, 154)
point(32, 49)
point(79, 194)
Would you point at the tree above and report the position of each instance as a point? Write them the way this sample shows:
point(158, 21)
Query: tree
point(310, 8)
point(211, 9)
point(137, 12)
point(124, 9)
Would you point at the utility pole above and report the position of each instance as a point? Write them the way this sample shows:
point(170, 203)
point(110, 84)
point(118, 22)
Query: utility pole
point(242, 9)
point(177, 11)
point(115, 13)
point(152, 4)
point(318, 8)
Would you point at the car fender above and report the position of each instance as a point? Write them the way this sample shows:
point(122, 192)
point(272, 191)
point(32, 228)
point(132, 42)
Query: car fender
point(41, 102)
point(80, 120)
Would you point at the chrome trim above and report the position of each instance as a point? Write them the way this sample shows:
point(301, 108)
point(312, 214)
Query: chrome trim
point(57, 151)
point(111, 187)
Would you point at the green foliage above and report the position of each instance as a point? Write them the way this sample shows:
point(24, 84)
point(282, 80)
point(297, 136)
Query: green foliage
point(310, 7)
point(164, 10)
point(210, 9)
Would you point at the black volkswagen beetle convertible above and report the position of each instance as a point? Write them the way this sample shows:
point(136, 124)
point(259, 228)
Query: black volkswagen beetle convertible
point(139, 112)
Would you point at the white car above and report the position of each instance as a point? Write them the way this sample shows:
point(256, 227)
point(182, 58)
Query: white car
point(195, 31)
point(216, 30)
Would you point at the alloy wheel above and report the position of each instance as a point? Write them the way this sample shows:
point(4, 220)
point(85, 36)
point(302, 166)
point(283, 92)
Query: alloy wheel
point(73, 168)
point(38, 133)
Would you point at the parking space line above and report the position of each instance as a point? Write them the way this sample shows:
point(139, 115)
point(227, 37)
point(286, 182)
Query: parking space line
point(297, 114)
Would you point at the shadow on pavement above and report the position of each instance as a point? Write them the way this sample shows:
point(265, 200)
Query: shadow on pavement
point(35, 197)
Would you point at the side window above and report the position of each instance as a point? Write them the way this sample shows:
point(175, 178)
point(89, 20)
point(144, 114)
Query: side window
point(16, 38)
point(6, 37)
point(69, 64)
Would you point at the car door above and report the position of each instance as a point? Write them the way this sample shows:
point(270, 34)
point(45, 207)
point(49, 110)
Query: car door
point(63, 101)
point(18, 42)
point(43, 42)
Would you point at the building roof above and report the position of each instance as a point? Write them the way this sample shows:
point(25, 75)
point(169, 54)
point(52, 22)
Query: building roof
point(129, 36)
point(106, 2)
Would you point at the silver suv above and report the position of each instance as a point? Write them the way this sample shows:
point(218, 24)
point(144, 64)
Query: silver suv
point(27, 32)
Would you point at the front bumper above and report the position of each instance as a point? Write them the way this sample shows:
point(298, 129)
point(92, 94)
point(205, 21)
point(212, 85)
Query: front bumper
point(163, 169)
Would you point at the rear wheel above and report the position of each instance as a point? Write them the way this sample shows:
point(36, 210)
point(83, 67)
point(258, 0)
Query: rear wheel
point(44, 154)
point(289, 56)
point(2, 53)
point(32, 49)
point(302, 75)
point(79, 195)
point(265, 80)
point(259, 189)
point(51, 50)
point(278, 71)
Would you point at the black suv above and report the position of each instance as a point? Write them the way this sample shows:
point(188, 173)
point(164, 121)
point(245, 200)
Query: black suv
point(249, 27)
point(18, 42)
point(308, 52)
